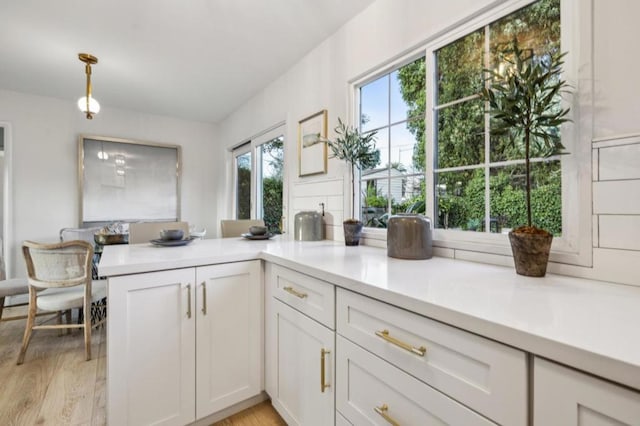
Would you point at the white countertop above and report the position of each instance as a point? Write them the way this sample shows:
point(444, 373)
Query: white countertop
point(586, 324)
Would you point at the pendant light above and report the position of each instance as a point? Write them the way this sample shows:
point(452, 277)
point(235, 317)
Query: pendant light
point(87, 104)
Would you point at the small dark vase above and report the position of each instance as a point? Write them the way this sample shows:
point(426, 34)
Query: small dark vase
point(352, 232)
point(531, 252)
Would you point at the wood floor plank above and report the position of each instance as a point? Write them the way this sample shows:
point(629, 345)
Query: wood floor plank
point(262, 414)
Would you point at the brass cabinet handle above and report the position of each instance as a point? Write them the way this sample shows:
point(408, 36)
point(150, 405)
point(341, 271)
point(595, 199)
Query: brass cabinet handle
point(407, 347)
point(290, 290)
point(188, 300)
point(323, 384)
point(204, 298)
point(382, 410)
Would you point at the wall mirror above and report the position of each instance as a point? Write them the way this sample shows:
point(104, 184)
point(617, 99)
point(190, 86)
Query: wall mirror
point(127, 180)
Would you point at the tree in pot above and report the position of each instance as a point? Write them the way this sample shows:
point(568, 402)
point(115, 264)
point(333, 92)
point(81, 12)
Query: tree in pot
point(524, 102)
point(360, 152)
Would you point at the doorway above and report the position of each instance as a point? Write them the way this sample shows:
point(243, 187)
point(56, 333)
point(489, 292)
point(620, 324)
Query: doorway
point(5, 200)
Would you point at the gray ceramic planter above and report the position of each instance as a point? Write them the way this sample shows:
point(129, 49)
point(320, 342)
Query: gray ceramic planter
point(352, 232)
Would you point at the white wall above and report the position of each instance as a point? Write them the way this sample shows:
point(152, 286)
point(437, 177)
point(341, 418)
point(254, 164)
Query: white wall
point(390, 28)
point(45, 162)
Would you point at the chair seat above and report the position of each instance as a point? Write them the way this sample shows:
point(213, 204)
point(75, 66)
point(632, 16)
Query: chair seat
point(14, 287)
point(60, 299)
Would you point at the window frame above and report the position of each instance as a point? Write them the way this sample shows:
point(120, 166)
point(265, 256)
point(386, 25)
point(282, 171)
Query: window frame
point(574, 247)
point(253, 146)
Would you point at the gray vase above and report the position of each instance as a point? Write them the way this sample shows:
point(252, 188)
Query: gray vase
point(409, 236)
point(352, 232)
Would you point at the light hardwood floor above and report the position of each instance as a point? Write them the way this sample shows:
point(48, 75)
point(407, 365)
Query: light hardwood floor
point(56, 386)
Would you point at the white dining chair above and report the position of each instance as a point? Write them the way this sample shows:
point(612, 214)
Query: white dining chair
point(66, 267)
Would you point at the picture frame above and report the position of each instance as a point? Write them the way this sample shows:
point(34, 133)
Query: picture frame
point(312, 146)
point(127, 180)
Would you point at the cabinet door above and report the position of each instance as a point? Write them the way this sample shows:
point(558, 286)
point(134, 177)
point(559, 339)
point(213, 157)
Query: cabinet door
point(229, 335)
point(566, 397)
point(301, 359)
point(151, 348)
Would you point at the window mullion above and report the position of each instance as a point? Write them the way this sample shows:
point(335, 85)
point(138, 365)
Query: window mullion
point(487, 138)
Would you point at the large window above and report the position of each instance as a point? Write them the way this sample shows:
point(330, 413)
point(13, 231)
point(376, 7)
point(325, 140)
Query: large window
point(269, 183)
point(439, 154)
point(479, 176)
point(242, 172)
point(393, 107)
point(258, 173)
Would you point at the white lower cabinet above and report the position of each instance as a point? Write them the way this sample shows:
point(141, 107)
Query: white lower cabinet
point(229, 351)
point(304, 390)
point(177, 350)
point(566, 397)
point(372, 391)
point(299, 348)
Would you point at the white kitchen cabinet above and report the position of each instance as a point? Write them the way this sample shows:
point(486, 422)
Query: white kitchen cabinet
point(300, 355)
point(567, 397)
point(151, 335)
point(304, 393)
point(184, 343)
point(489, 377)
point(372, 391)
point(228, 335)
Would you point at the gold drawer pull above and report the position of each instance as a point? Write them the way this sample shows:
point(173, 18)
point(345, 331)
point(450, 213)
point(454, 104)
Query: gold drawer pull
point(383, 412)
point(188, 300)
point(407, 347)
point(204, 298)
point(323, 385)
point(290, 290)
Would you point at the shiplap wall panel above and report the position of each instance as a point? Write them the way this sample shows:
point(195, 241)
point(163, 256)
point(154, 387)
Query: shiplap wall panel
point(618, 266)
point(622, 232)
point(619, 162)
point(616, 197)
point(307, 195)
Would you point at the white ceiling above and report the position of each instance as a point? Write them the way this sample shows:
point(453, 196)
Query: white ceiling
point(195, 59)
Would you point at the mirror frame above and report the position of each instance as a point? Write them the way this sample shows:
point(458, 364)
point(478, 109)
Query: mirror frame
point(82, 183)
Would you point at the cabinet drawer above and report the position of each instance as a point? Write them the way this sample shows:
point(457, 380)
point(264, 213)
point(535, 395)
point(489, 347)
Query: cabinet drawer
point(369, 388)
point(566, 397)
point(489, 377)
point(308, 295)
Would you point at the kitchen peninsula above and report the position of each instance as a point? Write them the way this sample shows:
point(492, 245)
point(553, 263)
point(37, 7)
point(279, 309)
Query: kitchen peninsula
point(468, 334)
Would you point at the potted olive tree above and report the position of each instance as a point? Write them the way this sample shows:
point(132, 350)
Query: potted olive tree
point(524, 102)
point(360, 152)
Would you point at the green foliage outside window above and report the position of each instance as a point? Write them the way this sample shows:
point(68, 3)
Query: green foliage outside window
point(460, 125)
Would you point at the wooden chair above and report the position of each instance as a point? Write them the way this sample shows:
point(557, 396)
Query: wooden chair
point(143, 232)
point(66, 267)
point(235, 228)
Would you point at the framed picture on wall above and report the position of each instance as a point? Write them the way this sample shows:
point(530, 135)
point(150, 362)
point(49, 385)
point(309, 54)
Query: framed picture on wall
point(127, 180)
point(312, 148)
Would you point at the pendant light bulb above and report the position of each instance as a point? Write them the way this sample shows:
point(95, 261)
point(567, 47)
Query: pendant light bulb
point(87, 104)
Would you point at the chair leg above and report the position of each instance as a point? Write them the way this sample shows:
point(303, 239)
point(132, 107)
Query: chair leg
point(68, 317)
point(87, 329)
point(1, 306)
point(28, 330)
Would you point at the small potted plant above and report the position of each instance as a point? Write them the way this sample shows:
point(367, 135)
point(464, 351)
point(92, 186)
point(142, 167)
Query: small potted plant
point(524, 103)
point(360, 152)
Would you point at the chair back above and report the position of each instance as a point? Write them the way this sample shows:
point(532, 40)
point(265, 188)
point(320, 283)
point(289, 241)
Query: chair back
point(143, 232)
point(64, 264)
point(235, 228)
